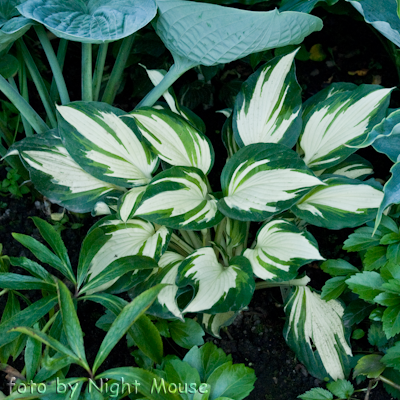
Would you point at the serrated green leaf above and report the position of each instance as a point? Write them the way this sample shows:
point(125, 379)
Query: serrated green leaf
point(281, 250)
point(268, 105)
point(392, 357)
point(186, 334)
point(263, 179)
point(370, 366)
point(316, 394)
point(394, 376)
point(393, 253)
point(338, 267)
point(179, 198)
point(376, 336)
point(83, 21)
point(217, 288)
point(367, 284)
point(333, 288)
point(341, 388)
point(361, 239)
point(375, 258)
point(356, 312)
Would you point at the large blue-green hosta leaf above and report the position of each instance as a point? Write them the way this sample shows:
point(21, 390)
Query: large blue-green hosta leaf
point(338, 117)
point(281, 250)
point(382, 15)
point(174, 139)
point(90, 21)
point(315, 322)
point(179, 198)
point(268, 105)
point(105, 145)
point(209, 34)
point(343, 203)
point(305, 6)
point(133, 237)
point(263, 179)
point(58, 177)
point(217, 288)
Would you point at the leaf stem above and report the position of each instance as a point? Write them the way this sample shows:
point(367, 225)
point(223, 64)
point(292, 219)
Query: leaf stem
point(23, 106)
point(54, 65)
point(61, 53)
point(195, 239)
point(23, 84)
point(38, 81)
point(99, 69)
point(186, 237)
point(389, 382)
point(87, 89)
point(183, 245)
point(115, 78)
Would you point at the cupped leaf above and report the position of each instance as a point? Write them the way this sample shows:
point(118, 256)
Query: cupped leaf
point(129, 314)
point(9, 65)
point(315, 322)
point(388, 136)
point(217, 288)
point(354, 167)
point(105, 145)
point(281, 250)
point(90, 21)
point(174, 139)
point(382, 16)
point(134, 237)
point(179, 198)
point(58, 177)
point(337, 118)
point(212, 324)
point(343, 203)
point(263, 179)
point(268, 105)
point(208, 34)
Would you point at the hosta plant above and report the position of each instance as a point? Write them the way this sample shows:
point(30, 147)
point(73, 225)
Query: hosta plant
point(149, 170)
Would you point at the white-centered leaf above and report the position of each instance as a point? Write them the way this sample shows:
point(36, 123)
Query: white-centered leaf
point(343, 118)
point(178, 198)
point(90, 21)
point(129, 202)
point(217, 288)
point(263, 179)
point(105, 145)
point(353, 167)
point(213, 323)
point(343, 203)
point(174, 139)
point(281, 250)
point(209, 34)
point(315, 322)
point(58, 177)
point(268, 105)
point(133, 237)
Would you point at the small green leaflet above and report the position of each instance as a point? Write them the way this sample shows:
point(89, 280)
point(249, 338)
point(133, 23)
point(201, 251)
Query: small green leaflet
point(174, 139)
point(58, 177)
point(342, 119)
point(343, 203)
point(316, 394)
point(369, 365)
point(105, 145)
point(268, 105)
point(217, 288)
point(227, 34)
point(281, 250)
point(90, 22)
point(133, 237)
point(313, 319)
point(342, 388)
point(263, 179)
point(179, 198)
point(392, 357)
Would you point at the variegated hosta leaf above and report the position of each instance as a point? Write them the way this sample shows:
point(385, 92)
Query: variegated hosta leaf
point(213, 323)
point(315, 322)
point(343, 203)
point(129, 201)
point(58, 177)
point(174, 139)
point(179, 198)
point(165, 306)
point(105, 145)
point(353, 167)
point(342, 119)
point(228, 137)
point(262, 180)
point(268, 105)
point(281, 250)
point(217, 289)
point(133, 237)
